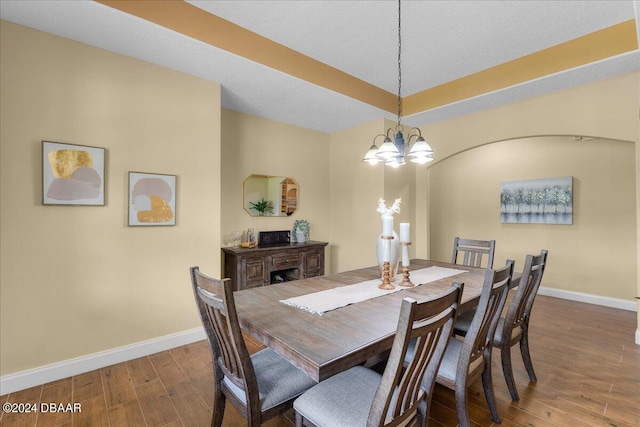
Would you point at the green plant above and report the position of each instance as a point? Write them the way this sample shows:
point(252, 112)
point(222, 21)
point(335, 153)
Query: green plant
point(302, 226)
point(262, 206)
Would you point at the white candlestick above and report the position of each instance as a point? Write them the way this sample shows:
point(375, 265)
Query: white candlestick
point(405, 235)
point(405, 255)
point(386, 252)
point(387, 225)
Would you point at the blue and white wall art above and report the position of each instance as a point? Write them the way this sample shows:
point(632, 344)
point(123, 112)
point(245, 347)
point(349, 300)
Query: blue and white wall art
point(537, 201)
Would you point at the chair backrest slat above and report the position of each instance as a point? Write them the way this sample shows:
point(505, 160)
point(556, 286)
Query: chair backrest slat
point(473, 251)
point(429, 324)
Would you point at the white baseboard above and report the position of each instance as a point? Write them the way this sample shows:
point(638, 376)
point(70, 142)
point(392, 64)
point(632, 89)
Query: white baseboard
point(56, 371)
point(622, 304)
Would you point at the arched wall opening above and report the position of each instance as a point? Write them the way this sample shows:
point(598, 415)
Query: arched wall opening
point(595, 255)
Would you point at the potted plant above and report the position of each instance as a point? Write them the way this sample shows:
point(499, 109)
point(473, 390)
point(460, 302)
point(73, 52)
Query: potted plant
point(301, 229)
point(262, 206)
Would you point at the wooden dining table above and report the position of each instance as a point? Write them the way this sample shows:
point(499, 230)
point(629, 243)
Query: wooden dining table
point(324, 345)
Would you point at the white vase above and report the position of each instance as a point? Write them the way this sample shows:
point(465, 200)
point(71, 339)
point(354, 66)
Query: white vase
point(300, 237)
point(394, 255)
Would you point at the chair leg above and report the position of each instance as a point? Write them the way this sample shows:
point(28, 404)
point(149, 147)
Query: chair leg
point(461, 404)
point(218, 409)
point(254, 418)
point(487, 385)
point(422, 410)
point(505, 355)
point(526, 357)
point(299, 422)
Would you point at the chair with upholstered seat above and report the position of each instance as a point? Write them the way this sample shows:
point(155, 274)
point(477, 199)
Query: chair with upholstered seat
point(473, 251)
point(260, 386)
point(467, 360)
point(513, 328)
point(362, 397)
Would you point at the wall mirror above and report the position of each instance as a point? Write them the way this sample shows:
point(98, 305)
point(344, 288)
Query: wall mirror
point(267, 195)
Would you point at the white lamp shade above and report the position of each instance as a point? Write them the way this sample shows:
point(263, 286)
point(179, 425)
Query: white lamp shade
point(371, 157)
point(387, 150)
point(421, 149)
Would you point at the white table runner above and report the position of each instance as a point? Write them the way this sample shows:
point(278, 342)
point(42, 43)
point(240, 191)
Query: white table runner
point(323, 301)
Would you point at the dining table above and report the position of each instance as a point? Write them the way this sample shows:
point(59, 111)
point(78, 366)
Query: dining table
point(325, 344)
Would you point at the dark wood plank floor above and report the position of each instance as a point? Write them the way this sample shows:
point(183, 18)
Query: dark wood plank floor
point(587, 364)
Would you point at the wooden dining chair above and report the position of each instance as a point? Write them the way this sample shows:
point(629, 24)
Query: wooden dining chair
point(260, 386)
point(362, 397)
point(466, 360)
point(472, 252)
point(513, 328)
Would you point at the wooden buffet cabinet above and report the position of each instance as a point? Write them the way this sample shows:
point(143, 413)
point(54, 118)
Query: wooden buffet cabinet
point(260, 266)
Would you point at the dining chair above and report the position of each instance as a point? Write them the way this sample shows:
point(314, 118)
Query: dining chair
point(472, 252)
point(468, 359)
point(513, 328)
point(362, 397)
point(260, 386)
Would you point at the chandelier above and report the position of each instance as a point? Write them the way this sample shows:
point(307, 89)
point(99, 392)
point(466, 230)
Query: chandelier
point(394, 152)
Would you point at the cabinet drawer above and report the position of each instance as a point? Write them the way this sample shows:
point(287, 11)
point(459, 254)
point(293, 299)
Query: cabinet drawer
point(285, 261)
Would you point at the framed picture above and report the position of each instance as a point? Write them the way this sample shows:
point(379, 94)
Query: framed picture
point(72, 174)
point(537, 201)
point(152, 199)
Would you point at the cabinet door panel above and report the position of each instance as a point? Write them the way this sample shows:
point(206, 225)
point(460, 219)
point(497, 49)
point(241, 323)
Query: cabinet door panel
point(313, 264)
point(254, 272)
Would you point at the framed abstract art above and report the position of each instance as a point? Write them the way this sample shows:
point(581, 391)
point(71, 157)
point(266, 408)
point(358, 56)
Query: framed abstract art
point(72, 174)
point(152, 199)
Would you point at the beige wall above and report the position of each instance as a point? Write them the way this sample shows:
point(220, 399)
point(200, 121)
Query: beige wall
point(606, 109)
point(355, 189)
point(595, 255)
point(252, 145)
point(77, 280)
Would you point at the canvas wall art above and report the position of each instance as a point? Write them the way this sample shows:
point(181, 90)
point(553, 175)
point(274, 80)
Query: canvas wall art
point(72, 174)
point(152, 199)
point(537, 201)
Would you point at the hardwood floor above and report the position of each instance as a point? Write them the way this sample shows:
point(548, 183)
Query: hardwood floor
point(587, 364)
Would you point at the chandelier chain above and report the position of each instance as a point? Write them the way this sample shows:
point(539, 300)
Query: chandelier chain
point(399, 66)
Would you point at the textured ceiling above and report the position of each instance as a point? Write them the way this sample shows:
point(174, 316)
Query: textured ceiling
point(441, 41)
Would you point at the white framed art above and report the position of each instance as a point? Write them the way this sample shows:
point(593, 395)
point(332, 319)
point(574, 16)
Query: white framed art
point(152, 199)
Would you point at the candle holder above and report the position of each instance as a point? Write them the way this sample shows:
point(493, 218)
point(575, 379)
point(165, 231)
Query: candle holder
point(386, 269)
point(406, 282)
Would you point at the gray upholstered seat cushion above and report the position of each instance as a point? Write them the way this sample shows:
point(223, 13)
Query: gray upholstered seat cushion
point(278, 380)
point(449, 363)
point(342, 400)
point(464, 321)
point(451, 358)
point(515, 332)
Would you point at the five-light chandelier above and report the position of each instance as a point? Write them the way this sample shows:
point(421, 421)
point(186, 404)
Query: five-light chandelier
point(394, 153)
